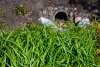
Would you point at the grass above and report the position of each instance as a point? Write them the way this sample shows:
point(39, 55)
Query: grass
point(40, 46)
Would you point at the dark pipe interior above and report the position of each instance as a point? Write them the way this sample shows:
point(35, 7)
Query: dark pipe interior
point(61, 16)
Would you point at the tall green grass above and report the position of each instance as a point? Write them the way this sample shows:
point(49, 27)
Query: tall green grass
point(40, 46)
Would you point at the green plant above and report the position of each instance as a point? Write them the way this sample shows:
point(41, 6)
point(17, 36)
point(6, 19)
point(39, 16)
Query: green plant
point(40, 46)
point(21, 10)
point(1, 12)
point(3, 25)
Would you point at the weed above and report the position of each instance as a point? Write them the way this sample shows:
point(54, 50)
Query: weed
point(3, 25)
point(1, 12)
point(21, 10)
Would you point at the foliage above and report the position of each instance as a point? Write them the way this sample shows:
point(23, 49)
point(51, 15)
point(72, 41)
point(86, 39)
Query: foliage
point(3, 25)
point(21, 10)
point(40, 46)
point(1, 12)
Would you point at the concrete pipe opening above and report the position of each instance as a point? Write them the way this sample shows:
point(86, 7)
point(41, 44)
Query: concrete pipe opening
point(61, 16)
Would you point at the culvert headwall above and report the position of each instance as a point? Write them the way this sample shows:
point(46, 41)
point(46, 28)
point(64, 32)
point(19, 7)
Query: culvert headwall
point(50, 9)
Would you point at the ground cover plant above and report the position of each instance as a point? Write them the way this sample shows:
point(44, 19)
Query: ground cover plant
point(40, 46)
point(1, 12)
point(21, 10)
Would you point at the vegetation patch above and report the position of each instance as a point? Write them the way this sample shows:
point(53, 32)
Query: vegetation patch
point(1, 12)
point(41, 46)
point(3, 25)
point(21, 10)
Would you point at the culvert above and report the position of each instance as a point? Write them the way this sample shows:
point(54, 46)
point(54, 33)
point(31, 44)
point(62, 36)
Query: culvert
point(61, 16)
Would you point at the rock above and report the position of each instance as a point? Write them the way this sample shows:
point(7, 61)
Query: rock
point(44, 12)
point(55, 8)
point(78, 19)
point(50, 8)
point(47, 22)
point(84, 22)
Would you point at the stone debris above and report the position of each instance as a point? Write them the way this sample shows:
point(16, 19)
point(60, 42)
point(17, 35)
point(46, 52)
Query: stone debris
point(78, 19)
point(47, 22)
point(82, 21)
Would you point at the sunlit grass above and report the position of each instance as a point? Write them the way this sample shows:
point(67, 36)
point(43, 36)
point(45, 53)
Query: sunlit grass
point(40, 46)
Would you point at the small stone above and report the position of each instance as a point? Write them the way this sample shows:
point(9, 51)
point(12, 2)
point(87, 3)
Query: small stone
point(44, 12)
point(40, 13)
point(29, 18)
point(50, 8)
point(55, 8)
point(66, 9)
